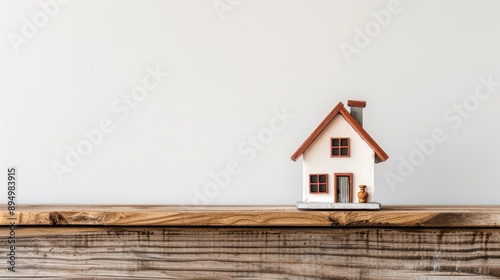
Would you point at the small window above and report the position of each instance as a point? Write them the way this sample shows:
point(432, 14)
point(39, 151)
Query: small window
point(340, 147)
point(318, 183)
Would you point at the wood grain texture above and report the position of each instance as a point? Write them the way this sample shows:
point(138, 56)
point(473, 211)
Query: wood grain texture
point(394, 216)
point(254, 253)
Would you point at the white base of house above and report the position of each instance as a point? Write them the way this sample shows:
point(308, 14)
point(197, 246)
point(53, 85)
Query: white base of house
point(337, 206)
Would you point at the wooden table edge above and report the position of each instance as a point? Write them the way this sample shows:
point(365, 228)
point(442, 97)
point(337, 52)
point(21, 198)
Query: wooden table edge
point(250, 216)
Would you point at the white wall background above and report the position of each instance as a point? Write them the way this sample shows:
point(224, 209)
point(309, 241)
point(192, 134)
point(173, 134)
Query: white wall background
point(227, 75)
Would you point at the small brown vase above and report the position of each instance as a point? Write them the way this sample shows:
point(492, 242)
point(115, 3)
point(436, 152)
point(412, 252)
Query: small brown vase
point(362, 194)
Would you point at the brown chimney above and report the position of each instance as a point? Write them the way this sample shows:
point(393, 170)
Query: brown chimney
point(357, 109)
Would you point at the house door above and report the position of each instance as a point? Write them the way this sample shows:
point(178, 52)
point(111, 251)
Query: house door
point(343, 187)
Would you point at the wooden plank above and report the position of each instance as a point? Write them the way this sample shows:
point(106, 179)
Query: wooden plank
point(254, 253)
point(394, 216)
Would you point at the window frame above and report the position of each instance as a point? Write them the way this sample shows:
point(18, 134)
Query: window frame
point(318, 183)
point(340, 147)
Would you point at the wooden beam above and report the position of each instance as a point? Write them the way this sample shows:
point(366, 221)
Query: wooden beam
point(393, 216)
point(67, 252)
point(195, 242)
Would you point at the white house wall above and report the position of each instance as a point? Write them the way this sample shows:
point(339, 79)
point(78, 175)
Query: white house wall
point(360, 163)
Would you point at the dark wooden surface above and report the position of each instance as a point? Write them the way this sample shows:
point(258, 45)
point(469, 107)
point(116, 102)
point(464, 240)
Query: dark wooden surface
point(256, 253)
point(154, 242)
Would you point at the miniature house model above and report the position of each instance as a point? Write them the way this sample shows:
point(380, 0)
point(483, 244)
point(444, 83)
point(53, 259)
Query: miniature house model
point(338, 160)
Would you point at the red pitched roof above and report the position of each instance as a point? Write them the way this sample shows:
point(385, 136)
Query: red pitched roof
point(380, 155)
